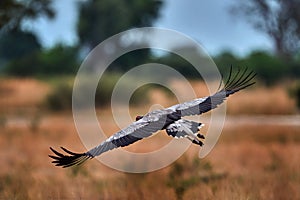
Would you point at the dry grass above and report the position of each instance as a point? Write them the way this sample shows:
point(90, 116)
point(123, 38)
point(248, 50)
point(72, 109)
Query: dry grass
point(255, 100)
point(16, 94)
point(250, 161)
point(274, 101)
point(28, 94)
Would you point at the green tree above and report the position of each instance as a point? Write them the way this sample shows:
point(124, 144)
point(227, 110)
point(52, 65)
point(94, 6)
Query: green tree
point(226, 59)
point(99, 20)
point(269, 69)
point(14, 12)
point(19, 51)
point(16, 44)
point(58, 60)
point(279, 19)
point(19, 48)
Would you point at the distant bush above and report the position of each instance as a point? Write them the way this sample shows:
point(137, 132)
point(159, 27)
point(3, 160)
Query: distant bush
point(3, 121)
point(61, 96)
point(16, 44)
point(140, 95)
point(57, 60)
point(24, 66)
point(269, 68)
point(295, 92)
point(105, 89)
point(225, 60)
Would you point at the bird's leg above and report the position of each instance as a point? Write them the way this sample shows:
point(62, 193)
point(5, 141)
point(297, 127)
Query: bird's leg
point(189, 132)
point(195, 141)
point(192, 136)
point(199, 135)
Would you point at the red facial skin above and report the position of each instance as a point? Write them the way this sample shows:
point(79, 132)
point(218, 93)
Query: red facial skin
point(138, 117)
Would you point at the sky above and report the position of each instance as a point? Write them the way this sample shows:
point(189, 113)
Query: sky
point(208, 22)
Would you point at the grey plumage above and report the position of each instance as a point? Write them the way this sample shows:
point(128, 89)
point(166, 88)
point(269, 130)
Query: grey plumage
point(169, 119)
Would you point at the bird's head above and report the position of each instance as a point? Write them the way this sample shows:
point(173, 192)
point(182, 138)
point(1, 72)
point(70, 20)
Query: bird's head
point(138, 117)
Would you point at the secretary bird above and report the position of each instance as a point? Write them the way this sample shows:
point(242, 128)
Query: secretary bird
point(169, 119)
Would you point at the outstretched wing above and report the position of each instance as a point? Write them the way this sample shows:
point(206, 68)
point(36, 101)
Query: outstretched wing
point(138, 130)
point(241, 80)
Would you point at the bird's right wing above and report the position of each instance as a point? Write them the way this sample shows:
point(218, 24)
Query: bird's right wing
point(241, 80)
point(138, 130)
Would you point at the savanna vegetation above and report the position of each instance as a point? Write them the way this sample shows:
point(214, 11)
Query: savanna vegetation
point(257, 154)
point(255, 157)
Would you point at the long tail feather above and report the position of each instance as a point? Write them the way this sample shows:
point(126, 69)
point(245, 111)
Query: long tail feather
point(68, 160)
point(238, 81)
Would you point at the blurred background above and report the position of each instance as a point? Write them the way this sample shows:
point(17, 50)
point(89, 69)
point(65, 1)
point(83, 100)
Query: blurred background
point(42, 44)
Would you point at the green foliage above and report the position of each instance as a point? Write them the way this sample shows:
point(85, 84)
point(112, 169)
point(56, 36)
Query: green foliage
point(278, 19)
point(180, 64)
point(60, 98)
point(13, 12)
point(295, 92)
point(130, 60)
point(140, 96)
point(105, 89)
point(99, 20)
point(3, 121)
point(17, 44)
point(270, 69)
point(225, 60)
point(57, 60)
point(25, 66)
point(19, 52)
point(106, 86)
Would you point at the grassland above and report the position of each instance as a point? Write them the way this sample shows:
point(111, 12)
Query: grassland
point(250, 160)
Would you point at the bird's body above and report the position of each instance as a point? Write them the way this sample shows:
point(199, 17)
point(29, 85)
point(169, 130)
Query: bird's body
point(169, 119)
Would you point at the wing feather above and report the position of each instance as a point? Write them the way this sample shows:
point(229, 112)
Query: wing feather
point(134, 132)
point(234, 83)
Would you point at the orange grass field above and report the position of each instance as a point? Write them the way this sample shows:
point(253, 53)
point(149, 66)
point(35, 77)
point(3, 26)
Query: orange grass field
point(250, 160)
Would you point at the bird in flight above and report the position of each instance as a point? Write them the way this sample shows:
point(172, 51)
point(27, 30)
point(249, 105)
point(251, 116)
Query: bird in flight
point(169, 119)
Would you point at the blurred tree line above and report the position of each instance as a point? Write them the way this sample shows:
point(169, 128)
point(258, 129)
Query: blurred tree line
point(21, 53)
point(270, 69)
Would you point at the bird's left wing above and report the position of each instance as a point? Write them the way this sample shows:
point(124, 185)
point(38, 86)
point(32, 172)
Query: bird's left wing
point(145, 127)
point(235, 82)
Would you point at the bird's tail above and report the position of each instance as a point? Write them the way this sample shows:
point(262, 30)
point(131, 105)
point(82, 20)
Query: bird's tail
point(68, 160)
point(238, 81)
